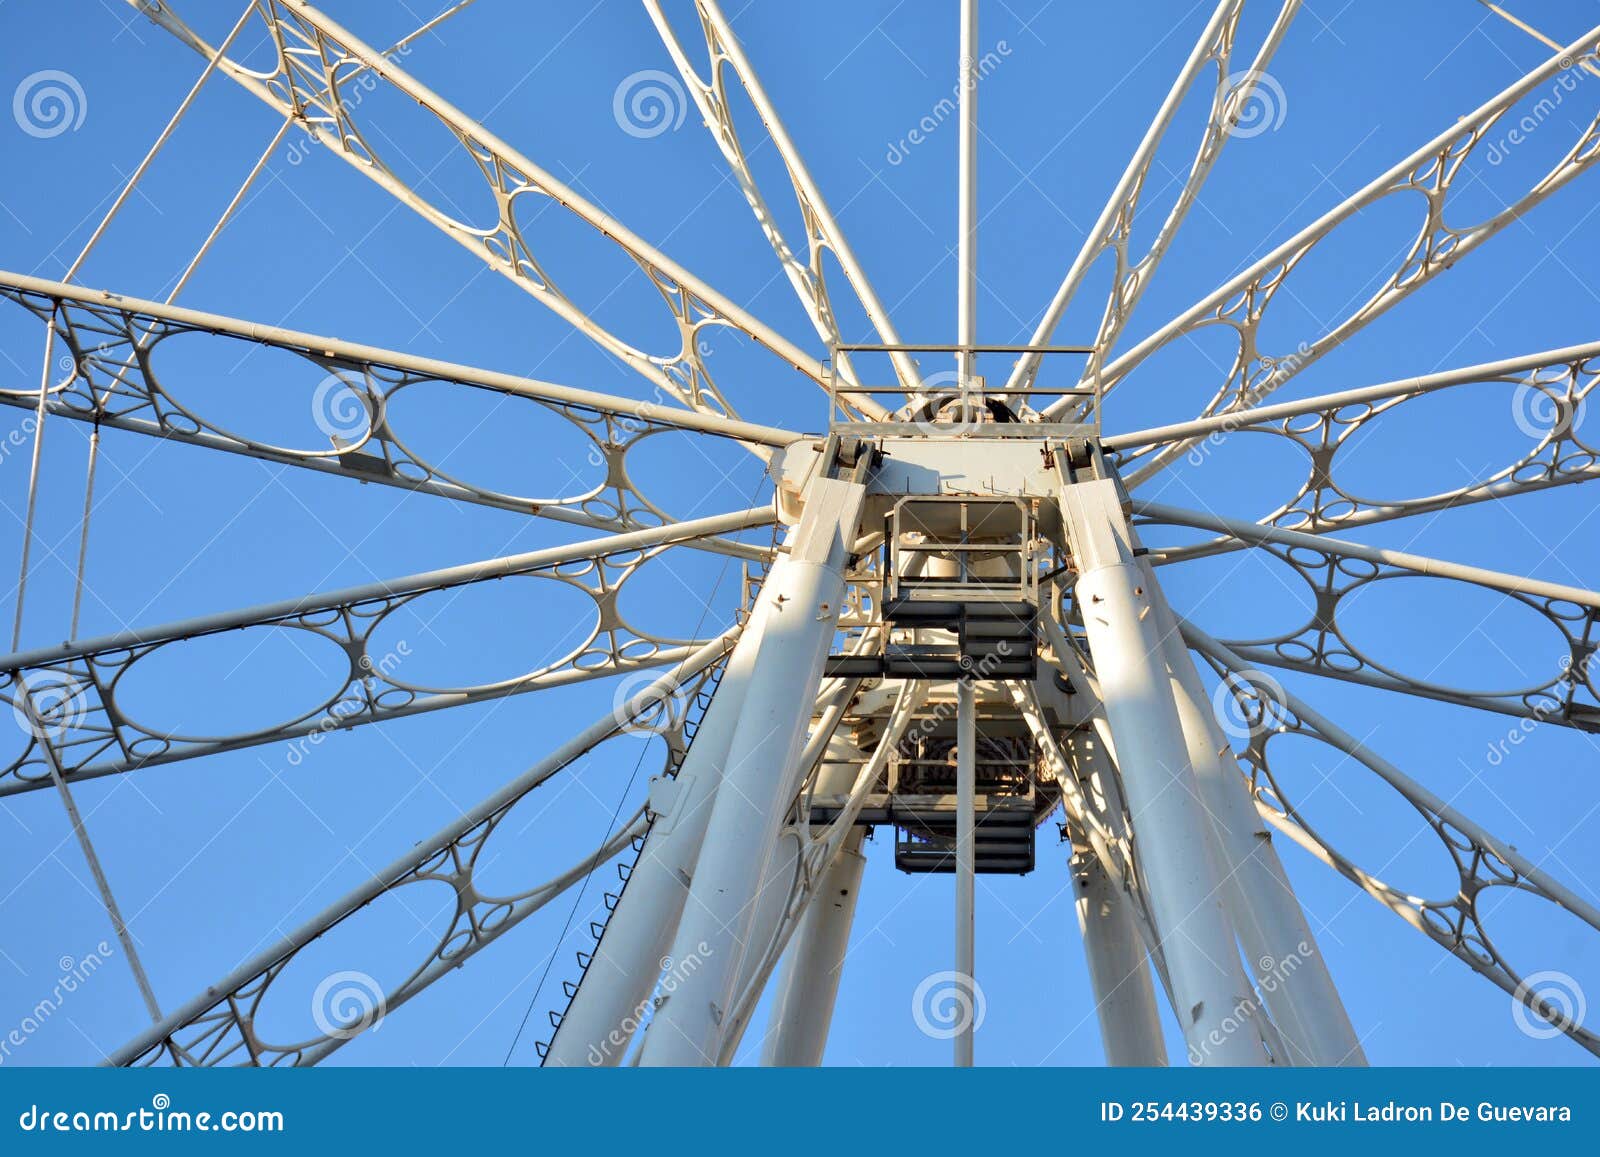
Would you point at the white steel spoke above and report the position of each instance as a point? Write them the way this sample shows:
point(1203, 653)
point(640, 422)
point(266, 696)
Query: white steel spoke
point(1431, 171)
point(1548, 398)
point(823, 235)
point(317, 60)
point(1337, 571)
point(1482, 861)
point(1112, 232)
point(73, 688)
point(108, 375)
point(218, 1027)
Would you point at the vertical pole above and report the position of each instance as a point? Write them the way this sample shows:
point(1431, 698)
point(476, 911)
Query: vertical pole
point(967, 207)
point(966, 858)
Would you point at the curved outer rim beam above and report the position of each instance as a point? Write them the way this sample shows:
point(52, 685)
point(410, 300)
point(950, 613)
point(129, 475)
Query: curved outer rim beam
point(1113, 231)
point(315, 57)
point(1319, 647)
point(1551, 391)
point(224, 1012)
point(108, 378)
point(1240, 303)
point(1482, 860)
point(823, 233)
point(86, 730)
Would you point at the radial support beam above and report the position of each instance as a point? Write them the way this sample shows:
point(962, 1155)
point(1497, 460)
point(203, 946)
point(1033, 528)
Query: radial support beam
point(1240, 304)
point(799, 605)
point(316, 78)
point(1232, 94)
point(823, 234)
point(218, 1026)
point(1291, 975)
point(109, 374)
point(1119, 971)
point(1548, 395)
point(1460, 923)
point(1335, 571)
point(1171, 833)
point(73, 688)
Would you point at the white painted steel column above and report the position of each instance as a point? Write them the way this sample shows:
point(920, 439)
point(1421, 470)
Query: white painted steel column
point(967, 203)
point(966, 859)
point(1290, 972)
point(802, 1009)
point(1172, 838)
point(801, 599)
point(1119, 969)
point(613, 997)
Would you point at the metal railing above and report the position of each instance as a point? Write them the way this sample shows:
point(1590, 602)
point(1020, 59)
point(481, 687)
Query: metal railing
point(973, 394)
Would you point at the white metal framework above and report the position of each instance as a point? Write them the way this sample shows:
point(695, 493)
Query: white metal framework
point(957, 633)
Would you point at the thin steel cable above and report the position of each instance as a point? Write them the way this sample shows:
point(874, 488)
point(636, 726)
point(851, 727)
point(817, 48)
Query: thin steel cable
point(75, 817)
point(94, 435)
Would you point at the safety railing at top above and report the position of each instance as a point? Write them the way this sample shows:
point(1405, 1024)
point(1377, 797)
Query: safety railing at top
point(975, 403)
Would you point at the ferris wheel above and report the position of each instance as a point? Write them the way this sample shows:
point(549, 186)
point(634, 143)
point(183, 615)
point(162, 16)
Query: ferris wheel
point(956, 630)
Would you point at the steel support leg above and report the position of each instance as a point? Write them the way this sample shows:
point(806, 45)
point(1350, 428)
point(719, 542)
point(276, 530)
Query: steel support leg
point(1290, 972)
point(802, 1010)
point(800, 602)
point(613, 998)
point(1172, 840)
point(1119, 970)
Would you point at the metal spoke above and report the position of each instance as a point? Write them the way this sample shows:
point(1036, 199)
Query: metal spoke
point(107, 375)
point(1336, 571)
point(1483, 862)
point(1240, 304)
point(85, 731)
point(219, 1026)
point(317, 60)
point(1113, 230)
point(823, 234)
point(1548, 395)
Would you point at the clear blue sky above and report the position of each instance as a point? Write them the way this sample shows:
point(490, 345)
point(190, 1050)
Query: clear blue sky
point(212, 859)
